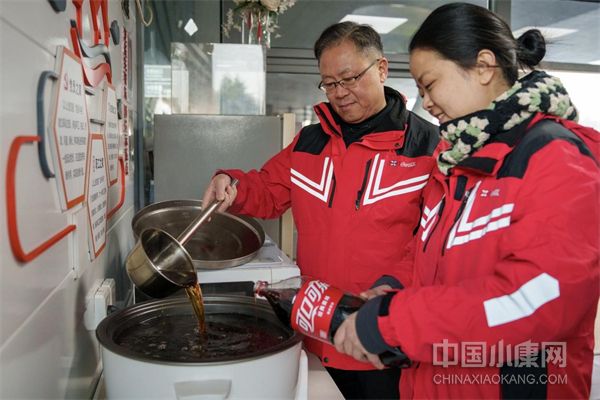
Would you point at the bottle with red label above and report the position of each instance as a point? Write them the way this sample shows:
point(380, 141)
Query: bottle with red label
point(317, 309)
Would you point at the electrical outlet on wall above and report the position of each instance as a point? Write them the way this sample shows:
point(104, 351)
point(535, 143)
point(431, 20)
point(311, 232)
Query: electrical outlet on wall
point(100, 296)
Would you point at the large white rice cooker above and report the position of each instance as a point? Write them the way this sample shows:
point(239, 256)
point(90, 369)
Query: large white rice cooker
point(152, 351)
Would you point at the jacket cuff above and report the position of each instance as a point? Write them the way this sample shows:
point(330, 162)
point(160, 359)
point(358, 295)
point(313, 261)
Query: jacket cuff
point(223, 172)
point(388, 280)
point(367, 328)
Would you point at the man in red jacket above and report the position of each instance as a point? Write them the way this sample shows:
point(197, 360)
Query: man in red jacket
point(354, 184)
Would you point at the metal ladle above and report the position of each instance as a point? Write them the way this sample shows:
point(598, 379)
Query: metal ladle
point(159, 265)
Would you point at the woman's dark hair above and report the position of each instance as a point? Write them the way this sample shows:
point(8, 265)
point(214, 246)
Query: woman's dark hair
point(458, 31)
point(364, 37)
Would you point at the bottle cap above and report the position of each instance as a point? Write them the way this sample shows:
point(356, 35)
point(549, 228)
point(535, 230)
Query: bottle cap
point(260, 286)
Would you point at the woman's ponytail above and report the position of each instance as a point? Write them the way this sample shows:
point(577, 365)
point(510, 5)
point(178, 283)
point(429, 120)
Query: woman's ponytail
point(531, 48)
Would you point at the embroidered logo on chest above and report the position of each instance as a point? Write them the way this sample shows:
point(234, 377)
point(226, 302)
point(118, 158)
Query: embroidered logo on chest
point(376, 191)
point(490, 193)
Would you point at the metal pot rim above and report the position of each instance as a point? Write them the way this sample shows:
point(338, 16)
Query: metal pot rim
point(110, 325)
point(201, 264)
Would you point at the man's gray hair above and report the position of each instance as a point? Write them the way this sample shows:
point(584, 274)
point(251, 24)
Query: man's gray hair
point(364, 37)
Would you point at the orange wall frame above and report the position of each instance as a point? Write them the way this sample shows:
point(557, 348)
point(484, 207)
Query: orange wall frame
point(11, 205)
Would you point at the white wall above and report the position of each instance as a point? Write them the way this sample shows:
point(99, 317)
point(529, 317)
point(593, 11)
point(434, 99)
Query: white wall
point(45, 349)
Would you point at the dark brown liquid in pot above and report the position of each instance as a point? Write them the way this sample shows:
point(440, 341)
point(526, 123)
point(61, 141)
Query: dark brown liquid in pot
point(176, 337)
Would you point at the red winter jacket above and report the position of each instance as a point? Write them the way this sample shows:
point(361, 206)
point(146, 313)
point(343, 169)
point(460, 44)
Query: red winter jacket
point(506, 279)
point(355, 208)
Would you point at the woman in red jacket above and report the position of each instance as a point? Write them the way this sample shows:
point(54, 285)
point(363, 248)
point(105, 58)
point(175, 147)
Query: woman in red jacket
point(506, 280)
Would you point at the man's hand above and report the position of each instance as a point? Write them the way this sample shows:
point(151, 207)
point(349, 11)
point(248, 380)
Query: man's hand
point(376, 291)
point(220, 188)
point(347, 342)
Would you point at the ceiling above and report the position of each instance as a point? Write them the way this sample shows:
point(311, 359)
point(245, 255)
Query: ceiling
point(292, 70)
point(580, 17)
point(295, 90)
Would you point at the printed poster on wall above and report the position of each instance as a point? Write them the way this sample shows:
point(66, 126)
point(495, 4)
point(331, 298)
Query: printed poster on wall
point(111, 131)
point(97, 194)
point(70, 130)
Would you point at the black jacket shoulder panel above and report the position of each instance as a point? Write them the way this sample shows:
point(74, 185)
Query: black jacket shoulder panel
point(541, 134)
point(312, 139)
point(421, 138)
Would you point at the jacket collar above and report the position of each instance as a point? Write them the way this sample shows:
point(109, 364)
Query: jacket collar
point(488, 159)
point(387, 121)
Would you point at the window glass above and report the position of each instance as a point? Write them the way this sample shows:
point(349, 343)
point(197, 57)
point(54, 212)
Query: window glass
point(396, 21)
point(578, 86)
point(218, 78)
point(572, 28)
point(295, 93)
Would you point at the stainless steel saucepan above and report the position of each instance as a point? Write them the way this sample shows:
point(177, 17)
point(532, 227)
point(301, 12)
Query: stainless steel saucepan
point(159, 264)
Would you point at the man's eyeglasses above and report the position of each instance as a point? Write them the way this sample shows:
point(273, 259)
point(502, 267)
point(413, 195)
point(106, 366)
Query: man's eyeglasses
point(348, 83)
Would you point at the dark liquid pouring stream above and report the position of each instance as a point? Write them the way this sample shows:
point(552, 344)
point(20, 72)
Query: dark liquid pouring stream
point(195, 295)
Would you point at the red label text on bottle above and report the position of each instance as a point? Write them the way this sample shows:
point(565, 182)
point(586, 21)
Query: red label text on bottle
point(313, 309)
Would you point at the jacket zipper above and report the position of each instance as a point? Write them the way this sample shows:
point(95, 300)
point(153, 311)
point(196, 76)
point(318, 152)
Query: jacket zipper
point(445, 184)
point(438, 219)
point(461, 209)
point(418, 224)
point(332, 192)
point(359, 194)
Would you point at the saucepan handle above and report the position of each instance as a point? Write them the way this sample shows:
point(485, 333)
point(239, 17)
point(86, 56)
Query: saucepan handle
point(204, 215)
